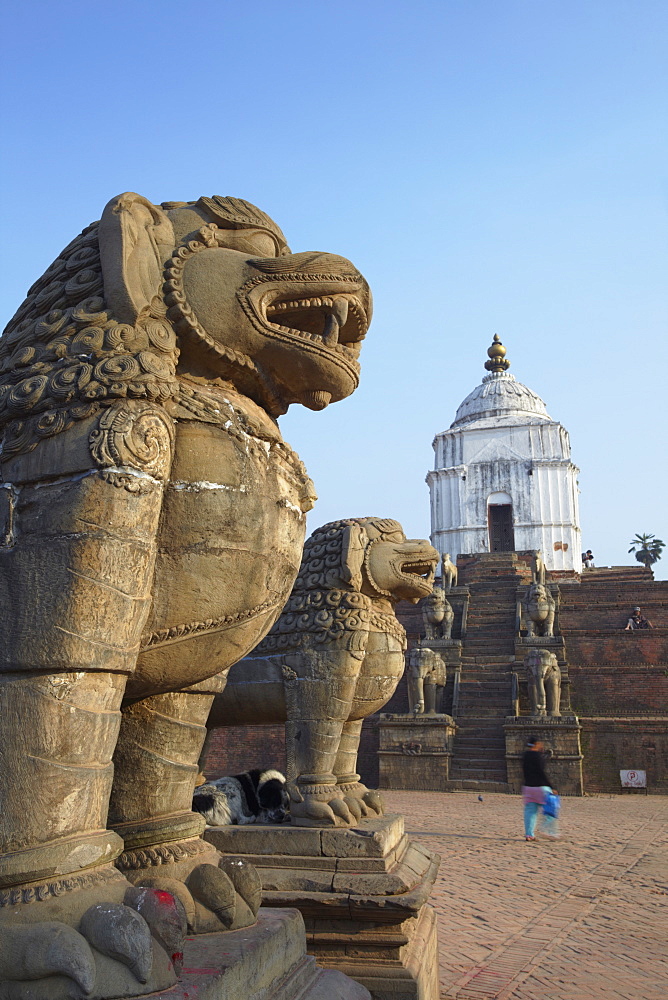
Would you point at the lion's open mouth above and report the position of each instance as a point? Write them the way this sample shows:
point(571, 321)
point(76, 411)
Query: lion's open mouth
point(424, 570)
point(337, 321)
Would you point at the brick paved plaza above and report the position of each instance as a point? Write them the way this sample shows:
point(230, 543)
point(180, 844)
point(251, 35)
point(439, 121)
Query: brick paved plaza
point(584, 918)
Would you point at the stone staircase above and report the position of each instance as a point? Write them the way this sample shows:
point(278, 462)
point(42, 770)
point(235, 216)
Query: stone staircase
point(479, 752)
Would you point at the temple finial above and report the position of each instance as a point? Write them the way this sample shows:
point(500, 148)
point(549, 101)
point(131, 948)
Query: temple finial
point(497, 356)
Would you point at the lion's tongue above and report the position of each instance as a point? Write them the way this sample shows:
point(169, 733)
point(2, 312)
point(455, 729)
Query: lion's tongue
point(335, 321)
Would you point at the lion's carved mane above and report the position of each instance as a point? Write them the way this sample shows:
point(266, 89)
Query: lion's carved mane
point(326, 600)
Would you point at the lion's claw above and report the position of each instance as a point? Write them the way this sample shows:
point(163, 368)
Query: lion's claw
point(122, 934)
point(49, 948)
point(214, 889)
point(374, 801)
point(247, 882)
point(165, 916)
point(356, 806)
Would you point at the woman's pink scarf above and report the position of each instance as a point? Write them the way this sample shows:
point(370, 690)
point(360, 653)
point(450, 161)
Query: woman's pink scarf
point(531, 794)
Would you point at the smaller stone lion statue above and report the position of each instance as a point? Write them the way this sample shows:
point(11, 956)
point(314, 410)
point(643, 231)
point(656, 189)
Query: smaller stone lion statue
point(334, 656)
point(437, 615)
point(544, 680)
point(539, 608)
point(426, 680)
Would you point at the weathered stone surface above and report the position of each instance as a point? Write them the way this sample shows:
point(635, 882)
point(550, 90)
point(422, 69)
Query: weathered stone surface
point(153, 522)
point(394, 962)
point(121, 933)
point(334, 656)
point(373, 839)
point(416, 751)
point(265, 962)
point(258, 839)
point(364, 910)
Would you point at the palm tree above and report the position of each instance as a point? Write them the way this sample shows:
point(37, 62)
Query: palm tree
point(647, 548)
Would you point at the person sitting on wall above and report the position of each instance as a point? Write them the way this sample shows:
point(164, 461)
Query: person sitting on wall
point(636, 621)
point(588, 559)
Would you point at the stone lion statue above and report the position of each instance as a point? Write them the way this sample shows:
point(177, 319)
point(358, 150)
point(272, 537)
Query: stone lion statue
point(426, 676)
point(152, 526)
point(334, 656)
point(539, 610)
point(544, 681)
point(437, 615)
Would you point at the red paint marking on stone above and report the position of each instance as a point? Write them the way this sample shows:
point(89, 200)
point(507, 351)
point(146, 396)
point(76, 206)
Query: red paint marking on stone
point(165, 898)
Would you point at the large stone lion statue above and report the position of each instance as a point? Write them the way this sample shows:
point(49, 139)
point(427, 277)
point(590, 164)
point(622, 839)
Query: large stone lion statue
point(334, 656)
point(151, 528)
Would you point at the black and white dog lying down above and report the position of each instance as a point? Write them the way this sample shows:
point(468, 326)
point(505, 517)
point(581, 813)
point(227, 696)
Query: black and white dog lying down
point(252, 797)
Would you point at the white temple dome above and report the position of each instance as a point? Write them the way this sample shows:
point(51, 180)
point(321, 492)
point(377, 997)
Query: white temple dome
point(501, 396)
point(503, 479)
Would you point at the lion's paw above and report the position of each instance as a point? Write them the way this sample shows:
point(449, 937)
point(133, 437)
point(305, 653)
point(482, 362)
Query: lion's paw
point(113, 949)
point(322, 806)
point(360, 799)
point(215, 893)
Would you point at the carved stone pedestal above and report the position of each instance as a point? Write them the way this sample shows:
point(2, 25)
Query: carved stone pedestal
point(562, 745)
point(363, 895)
point(267, 961)
point(415, 751)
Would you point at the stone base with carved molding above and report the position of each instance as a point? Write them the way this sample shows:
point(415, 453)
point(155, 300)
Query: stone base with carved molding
point(415, 751)
point(562, 745)
point(268, 960)
point(362, 892)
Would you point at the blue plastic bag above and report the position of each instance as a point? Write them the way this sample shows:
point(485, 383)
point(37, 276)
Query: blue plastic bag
point(552, 804)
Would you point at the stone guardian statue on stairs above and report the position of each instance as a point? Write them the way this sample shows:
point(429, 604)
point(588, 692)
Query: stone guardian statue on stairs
point(544, 683)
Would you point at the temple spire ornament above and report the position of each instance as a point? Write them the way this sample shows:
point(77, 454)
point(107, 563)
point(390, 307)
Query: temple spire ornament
point(497, 357)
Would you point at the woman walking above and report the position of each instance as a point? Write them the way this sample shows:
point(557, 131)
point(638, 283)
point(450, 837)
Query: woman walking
point(536, 786)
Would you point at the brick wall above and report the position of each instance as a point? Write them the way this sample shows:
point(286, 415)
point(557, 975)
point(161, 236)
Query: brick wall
point(619, 690)
point(619, 679)
point(612, 745)
point(240, 748)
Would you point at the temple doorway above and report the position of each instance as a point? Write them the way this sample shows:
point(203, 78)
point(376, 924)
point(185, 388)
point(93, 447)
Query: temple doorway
point(500, 520)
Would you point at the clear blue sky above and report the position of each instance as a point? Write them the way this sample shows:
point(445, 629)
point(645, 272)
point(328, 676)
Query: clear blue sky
point(491, 166)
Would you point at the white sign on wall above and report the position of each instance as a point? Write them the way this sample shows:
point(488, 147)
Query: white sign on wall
point(633, 779)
